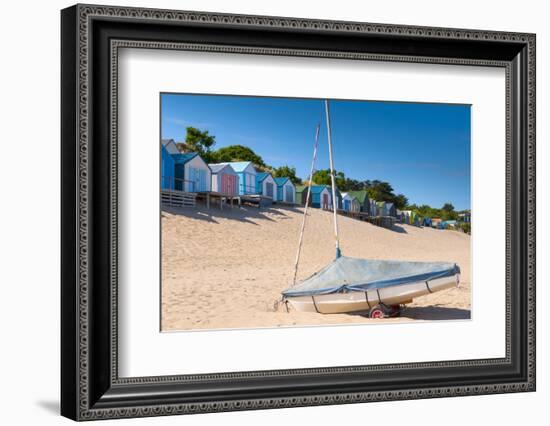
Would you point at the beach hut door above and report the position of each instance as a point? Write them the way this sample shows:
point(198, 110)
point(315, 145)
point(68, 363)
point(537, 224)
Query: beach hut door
point(269, 189)
point(289, 192)
point(198, 179)
point(177, 184)
point(325, 201)
point(228, 184)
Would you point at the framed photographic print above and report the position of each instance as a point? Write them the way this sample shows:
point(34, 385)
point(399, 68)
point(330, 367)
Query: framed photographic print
point(263, 212)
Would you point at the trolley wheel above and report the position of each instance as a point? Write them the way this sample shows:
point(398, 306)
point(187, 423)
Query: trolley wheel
point(377, 312)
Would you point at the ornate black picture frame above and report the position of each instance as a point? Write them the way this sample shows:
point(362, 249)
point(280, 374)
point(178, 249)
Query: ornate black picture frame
point(91, 387)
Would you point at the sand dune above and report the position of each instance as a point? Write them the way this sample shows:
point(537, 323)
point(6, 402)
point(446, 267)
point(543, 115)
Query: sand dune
point(226, 269)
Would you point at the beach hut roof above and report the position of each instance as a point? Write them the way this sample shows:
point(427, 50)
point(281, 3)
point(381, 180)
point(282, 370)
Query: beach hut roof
point(348, 195)
point(317, 189)
point(300, 188)
point(329, 187)
point(280, 181)
point(239, 166)
point(170, 146)
point(360, 195)
point(183, 158)
point(218, 167)
point(261, 176)
point(380, 203)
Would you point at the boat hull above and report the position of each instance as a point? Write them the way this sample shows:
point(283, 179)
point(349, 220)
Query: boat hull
point(354, 301)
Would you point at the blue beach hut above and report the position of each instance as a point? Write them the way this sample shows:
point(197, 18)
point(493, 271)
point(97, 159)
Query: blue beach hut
point(286, 190)
point(266, 186)
point(247, 176)
point(320, 196)
point(167, 163)
point(191, 173)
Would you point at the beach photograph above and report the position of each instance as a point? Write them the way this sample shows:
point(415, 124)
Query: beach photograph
point(293, 212)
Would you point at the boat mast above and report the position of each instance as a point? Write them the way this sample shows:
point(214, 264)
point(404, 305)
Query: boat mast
point(307, 204)
point(333, 182)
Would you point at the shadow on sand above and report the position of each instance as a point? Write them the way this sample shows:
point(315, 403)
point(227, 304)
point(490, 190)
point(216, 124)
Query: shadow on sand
point(428, 313)
point(436, 313)
point(247, 214)
point(399, 229)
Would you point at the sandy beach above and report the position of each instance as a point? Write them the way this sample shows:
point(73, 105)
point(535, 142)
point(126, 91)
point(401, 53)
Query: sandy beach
point(226, 268)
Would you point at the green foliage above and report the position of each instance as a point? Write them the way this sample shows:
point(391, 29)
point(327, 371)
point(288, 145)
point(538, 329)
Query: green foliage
point(444, 213)
point(465, 226)
point(289, 172)
point(448, 207)
point(380, 191)
point(383, 191)
point(353, 185)
point(322, 177)
point(198, 141)
point(400, 201)
point(237, 153)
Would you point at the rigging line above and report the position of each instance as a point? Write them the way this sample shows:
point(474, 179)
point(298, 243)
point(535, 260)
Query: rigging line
point(333, 182)
point(307, 204)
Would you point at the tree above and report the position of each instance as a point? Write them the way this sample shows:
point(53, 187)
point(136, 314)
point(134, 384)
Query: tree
point(198, 141)
point(322, 177)
point(448, 207)
point(400, 201)
point(237, 153)
point(353, 185)
point(289, 172)
point(381, 191)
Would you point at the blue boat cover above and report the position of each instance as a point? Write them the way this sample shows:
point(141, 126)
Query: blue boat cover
point(349, 274)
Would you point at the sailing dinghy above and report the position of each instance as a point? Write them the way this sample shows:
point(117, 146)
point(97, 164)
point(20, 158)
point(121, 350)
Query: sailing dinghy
point(374, 286)
point(379, 287)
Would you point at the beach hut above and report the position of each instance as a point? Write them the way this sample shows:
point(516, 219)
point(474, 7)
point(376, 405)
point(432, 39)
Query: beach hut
point(448, 224)
point(301, 195)
point(338, 197)
point(247, 176)
point(265, 185)
point(386, 209)
point(224, 179)
point(405, 216)
point(170, 146)
point(373, 208)
point(321, 196)
point(415, 219)
point(399, 215)
point(167, 164)
point(364, 201)
point(286, 191)
point(380, 210)
point(435, 222)
point(465, 217)
point(191, 173)
point(350, 203)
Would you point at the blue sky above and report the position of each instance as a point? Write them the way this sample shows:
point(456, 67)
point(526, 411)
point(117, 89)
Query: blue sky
point(422, 150)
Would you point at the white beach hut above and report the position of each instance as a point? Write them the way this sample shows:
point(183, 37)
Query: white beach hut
point(224, 179)
point(192, 174)
point(350, 203)
point(286, 191)
point(266, 186)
